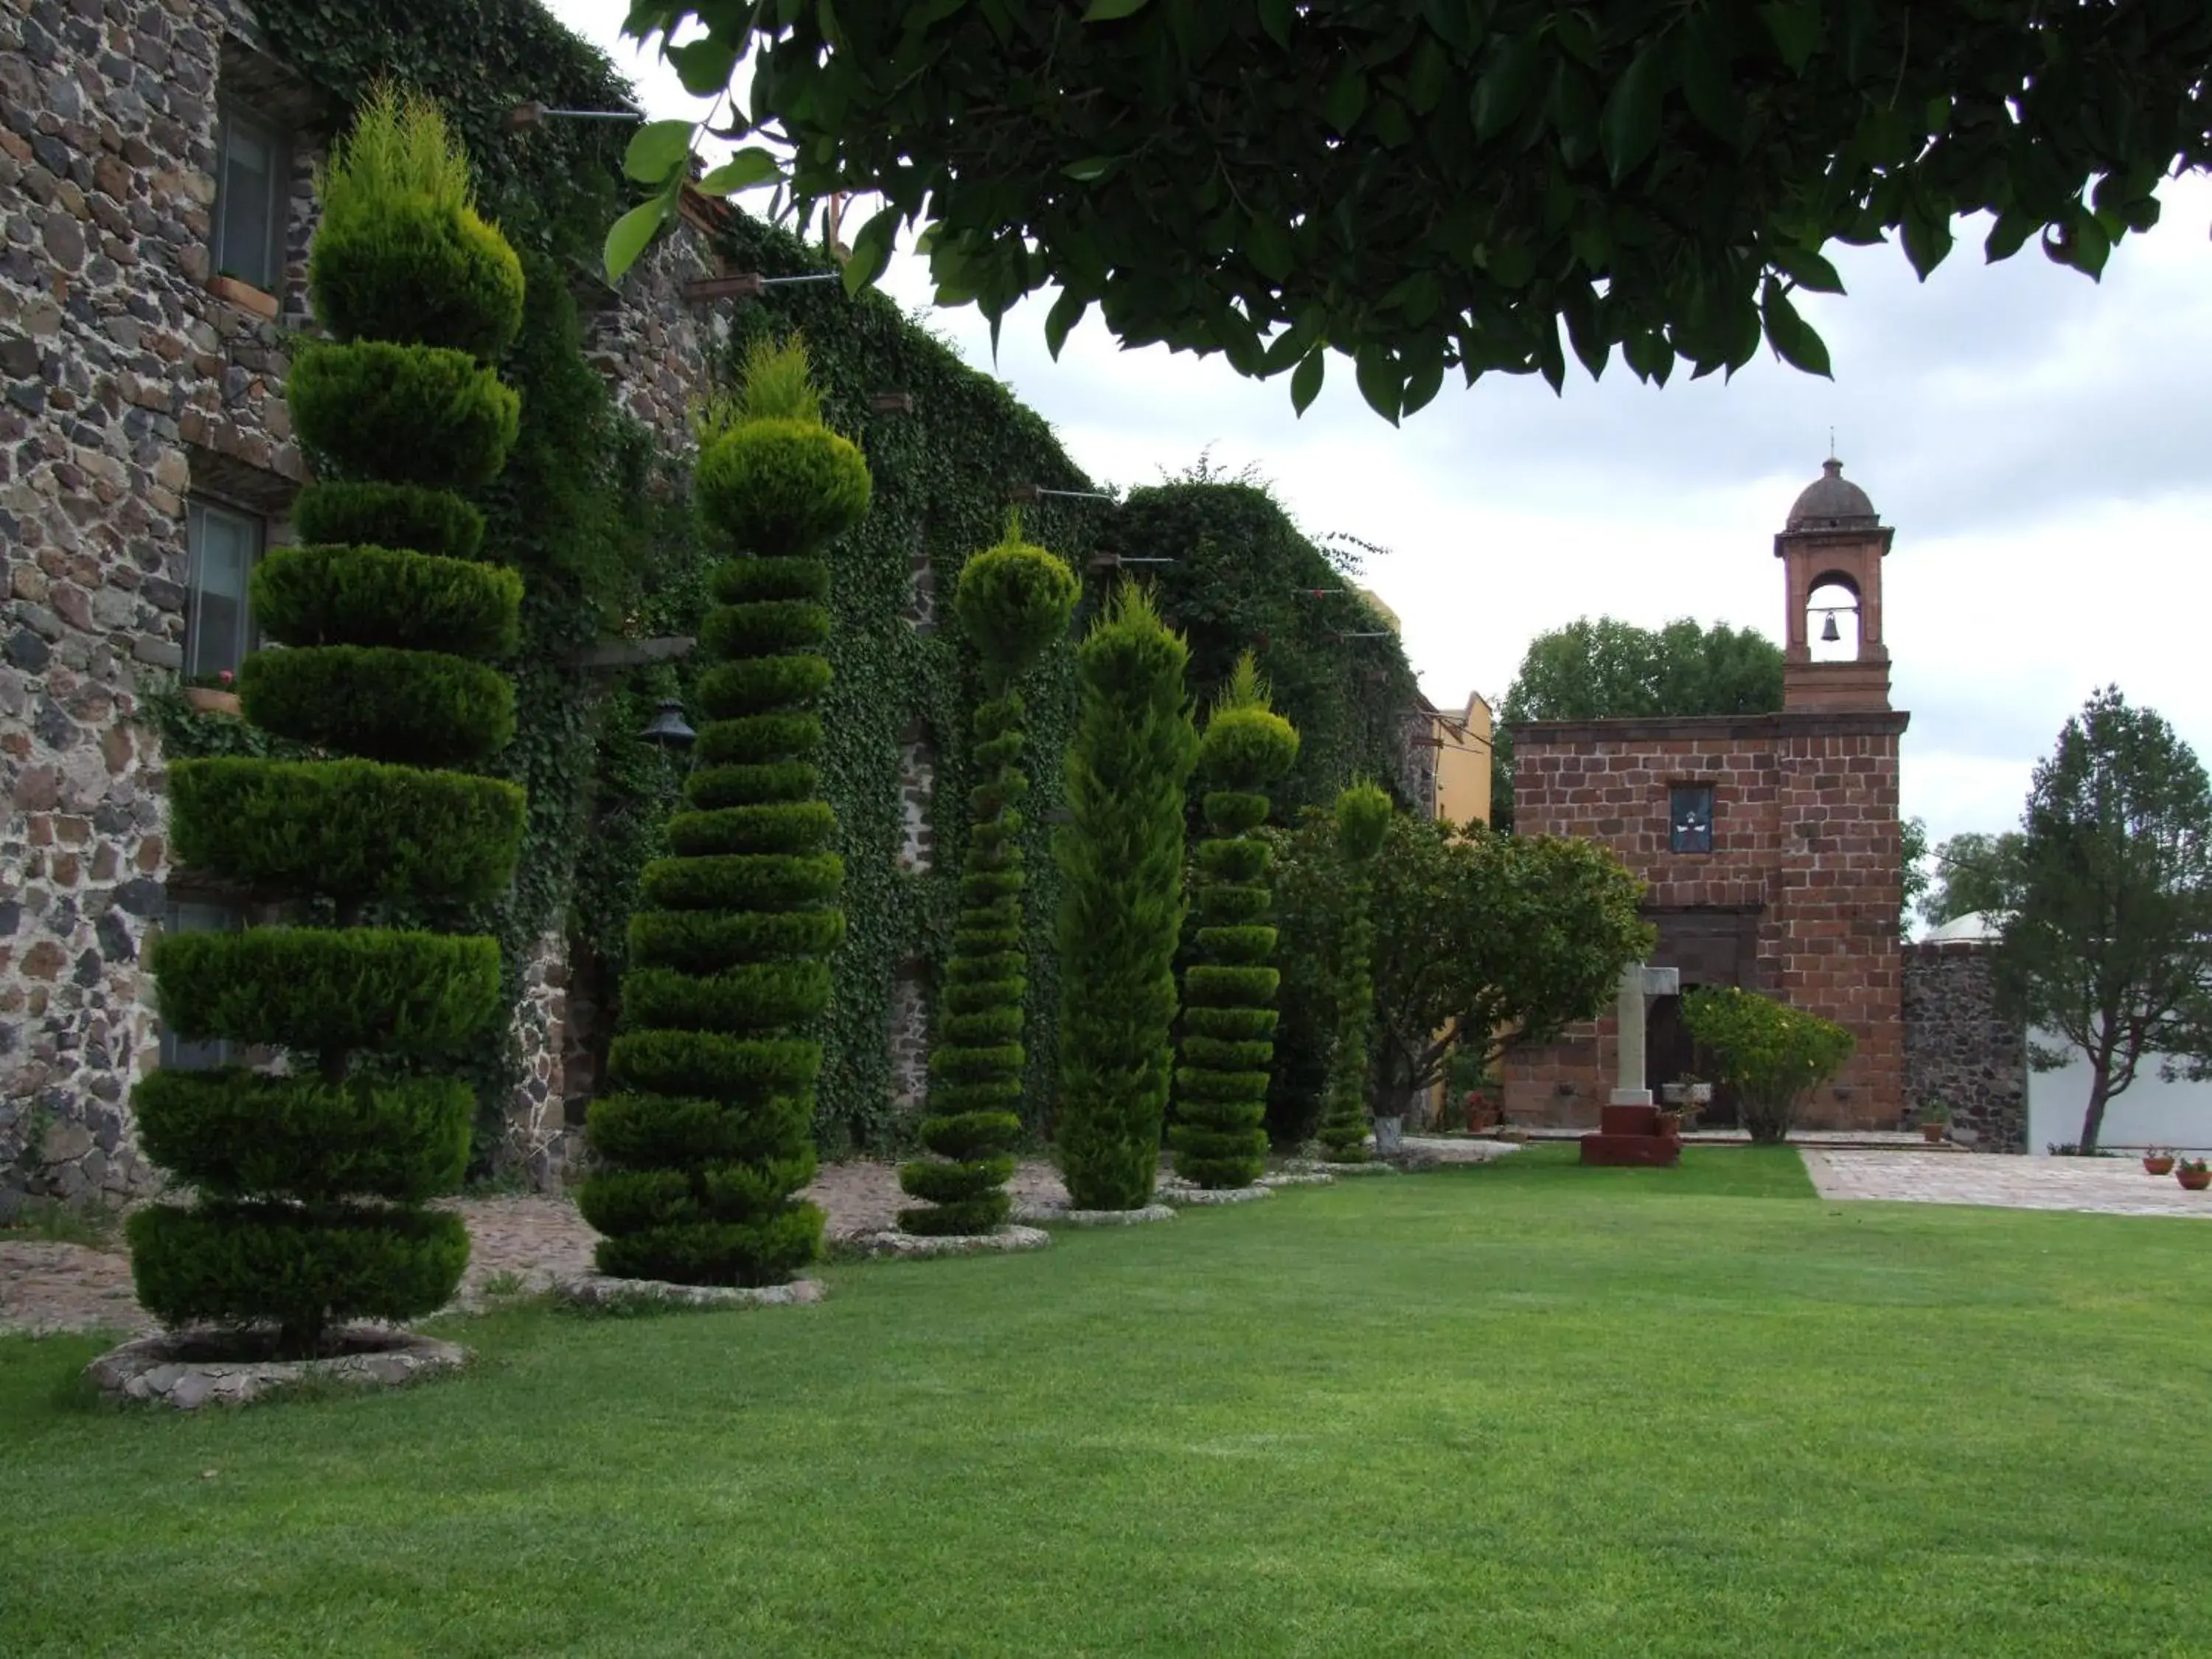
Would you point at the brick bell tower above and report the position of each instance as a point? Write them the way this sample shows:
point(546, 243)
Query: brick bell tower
point(1833, 539)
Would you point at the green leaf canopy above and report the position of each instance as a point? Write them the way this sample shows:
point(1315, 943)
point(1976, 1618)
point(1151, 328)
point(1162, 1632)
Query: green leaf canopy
point(1441, 186)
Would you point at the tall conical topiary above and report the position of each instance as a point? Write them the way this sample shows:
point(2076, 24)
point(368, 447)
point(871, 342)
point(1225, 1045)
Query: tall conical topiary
point(1121, 857)
point(1013, 601)
point(1229, 992)
point(703, 1149)
point(1363, 820)
point(310, 1186)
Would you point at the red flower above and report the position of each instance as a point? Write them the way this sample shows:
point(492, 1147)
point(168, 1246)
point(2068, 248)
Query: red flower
point(225, 676)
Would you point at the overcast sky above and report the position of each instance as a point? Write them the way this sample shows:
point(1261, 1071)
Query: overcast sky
point(2037, 441)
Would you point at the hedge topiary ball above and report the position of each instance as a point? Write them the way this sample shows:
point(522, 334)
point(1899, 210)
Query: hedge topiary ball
point(403, 414)
point(420, 272)
point(782, 486)
point(1014, 600)
point(1246, 748)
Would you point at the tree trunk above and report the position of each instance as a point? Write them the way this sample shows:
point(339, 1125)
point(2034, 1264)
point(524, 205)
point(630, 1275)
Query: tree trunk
point(2092, 1121)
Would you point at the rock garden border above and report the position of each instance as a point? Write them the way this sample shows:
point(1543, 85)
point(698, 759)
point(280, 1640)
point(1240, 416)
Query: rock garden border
point(600, 1293)
point(192, 1368)
point(890, 1244)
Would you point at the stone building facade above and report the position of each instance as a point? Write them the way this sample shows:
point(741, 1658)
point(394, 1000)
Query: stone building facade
point(1770, 843)
point(1960, 1052)
point(141, 421)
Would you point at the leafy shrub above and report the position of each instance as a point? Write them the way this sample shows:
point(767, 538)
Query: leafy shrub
point(707, 942)
point(402, 414)
point(700, 1160)
point(1221, 1086)
point(410, 516)
point(319, 989)
point(381, 701)
point(793, 826)
point(399, 251)
point(235, 1134)
point(350, 830)
point(231, 1263)
point(1772, 1055)
point(1121, 854)
point(349, 595)
point(779, 486)
point(1363, 820)
point(1013, 601)
point(310, 1184)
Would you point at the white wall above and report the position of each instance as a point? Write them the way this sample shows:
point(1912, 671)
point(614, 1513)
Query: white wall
point(2152, 1112)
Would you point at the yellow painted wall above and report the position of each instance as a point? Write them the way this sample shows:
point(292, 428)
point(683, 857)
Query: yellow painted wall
point(1463, 763)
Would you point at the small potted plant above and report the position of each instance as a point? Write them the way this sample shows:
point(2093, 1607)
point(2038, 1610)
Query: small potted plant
point(1935, 1118)
point(2158, 1160)
point(2194, 1173)
point(213, 694)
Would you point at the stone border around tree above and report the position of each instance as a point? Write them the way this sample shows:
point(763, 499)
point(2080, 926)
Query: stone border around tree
point(916, 1247)
point(1297, 1178)
point(1319, 1167)
point(176, 1369)
point(1180, 1192)
point(1048, 1213)
point(596, 1290)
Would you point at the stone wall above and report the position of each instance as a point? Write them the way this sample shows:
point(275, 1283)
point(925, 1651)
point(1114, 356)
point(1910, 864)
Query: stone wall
point(1805, 858)
point(131, 377)
point(907, 1037)
point(128, 384)
point(1958, 1051)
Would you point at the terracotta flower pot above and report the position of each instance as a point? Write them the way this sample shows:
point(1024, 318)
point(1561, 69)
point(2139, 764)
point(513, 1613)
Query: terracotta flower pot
point(1670, 1124)
point(2195, 1181)
point(208, 701)
point(1932, 1132)
point(2158, 1166)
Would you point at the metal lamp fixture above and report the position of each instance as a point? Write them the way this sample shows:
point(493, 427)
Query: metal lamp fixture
point(667, 729)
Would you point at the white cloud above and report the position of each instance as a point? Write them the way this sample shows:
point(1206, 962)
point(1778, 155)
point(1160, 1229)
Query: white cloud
point(2037, 439)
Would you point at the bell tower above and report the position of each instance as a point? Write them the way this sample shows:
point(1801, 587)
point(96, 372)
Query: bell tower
point(1833, 542)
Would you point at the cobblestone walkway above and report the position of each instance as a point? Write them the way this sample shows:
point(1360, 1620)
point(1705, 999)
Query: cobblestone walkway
point(2106, 1185)
point(517, 1245)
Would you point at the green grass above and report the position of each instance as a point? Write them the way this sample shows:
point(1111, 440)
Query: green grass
point(1526, 1409)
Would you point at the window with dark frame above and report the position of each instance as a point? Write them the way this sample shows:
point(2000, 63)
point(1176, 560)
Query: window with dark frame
point(1690, 817)
point(220, 546)
point(197, 916)
point(251, 192)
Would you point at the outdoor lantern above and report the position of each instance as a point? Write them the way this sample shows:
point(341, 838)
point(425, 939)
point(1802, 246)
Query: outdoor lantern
point(667, 729)
point(1828, 629)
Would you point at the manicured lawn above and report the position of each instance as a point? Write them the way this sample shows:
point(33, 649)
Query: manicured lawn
point(1525, 1409)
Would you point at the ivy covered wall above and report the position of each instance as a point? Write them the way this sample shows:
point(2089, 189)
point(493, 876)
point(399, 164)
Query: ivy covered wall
point(593, 508)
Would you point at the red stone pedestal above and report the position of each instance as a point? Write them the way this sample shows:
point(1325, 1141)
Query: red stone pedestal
point(1629, 1135)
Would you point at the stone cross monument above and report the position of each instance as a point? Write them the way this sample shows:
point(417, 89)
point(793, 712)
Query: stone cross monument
point(1638, 985)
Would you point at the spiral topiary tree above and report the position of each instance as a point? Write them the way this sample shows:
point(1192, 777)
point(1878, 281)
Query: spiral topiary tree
point(1013, 601)
point(1363, 820)
point(1229, 993)
point(310, 1186)
point(1122, 910)
point(711, 1135)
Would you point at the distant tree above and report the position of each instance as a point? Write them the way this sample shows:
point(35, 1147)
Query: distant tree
point(1601, 668)
point(1913, 851)
point(1484, 940)
point(1975, 873)
point(2109, 944)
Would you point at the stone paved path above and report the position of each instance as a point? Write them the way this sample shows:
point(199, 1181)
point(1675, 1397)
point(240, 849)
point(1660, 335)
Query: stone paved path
point(517, 1245)
point(2106, 1186)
